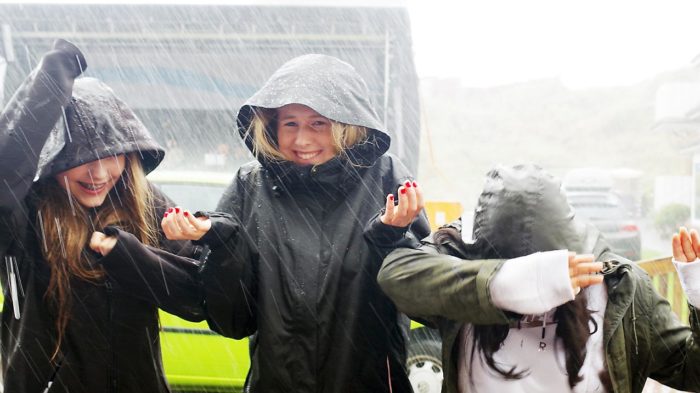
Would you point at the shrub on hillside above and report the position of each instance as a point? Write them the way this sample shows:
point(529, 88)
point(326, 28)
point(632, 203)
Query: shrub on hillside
point(670, 217)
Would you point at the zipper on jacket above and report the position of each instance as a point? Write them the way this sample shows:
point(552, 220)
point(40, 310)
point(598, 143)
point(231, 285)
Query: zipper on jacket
point(53, 375)
point(609, 267)
point(110, 327)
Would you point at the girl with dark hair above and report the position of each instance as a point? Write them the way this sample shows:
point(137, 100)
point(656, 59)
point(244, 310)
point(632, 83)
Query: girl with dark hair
point(78, 222)
point(296, 271)
point(514, 319)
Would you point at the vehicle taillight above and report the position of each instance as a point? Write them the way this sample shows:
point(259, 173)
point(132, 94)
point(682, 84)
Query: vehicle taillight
point(630, 228)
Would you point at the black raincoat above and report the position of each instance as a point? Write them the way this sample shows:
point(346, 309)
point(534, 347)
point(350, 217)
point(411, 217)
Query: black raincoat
point(299, 274)
point(111, 343)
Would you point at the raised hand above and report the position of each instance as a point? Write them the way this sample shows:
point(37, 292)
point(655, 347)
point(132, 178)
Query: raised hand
point(409, 205)
point(686, 245)
point(179, 224)
point(583, 271)
point(101, 243)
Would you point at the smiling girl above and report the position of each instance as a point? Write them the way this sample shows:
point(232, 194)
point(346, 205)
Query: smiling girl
point(299, 274)
point(77, 317)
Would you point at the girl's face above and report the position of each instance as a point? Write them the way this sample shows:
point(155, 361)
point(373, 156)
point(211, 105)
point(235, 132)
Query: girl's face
point(89, 183)
point(304, 136)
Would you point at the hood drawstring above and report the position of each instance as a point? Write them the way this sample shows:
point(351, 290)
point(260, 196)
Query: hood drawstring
point(388, 374)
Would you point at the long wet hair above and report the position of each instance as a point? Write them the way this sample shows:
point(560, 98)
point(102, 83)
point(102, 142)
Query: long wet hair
point(572, 318)
point(66, 226)
point(263, 132)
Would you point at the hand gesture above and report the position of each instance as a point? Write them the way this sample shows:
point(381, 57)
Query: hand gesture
point(582, 271)
point(686, 245)
point(101, 243)
point(179, 224)
point(410, 204)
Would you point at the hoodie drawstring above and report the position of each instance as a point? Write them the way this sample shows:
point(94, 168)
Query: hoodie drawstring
point(634, 329)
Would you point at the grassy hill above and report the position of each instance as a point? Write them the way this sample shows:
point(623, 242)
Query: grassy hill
point(467, 131)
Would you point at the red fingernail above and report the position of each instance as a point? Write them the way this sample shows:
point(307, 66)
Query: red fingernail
point(170, 210)
point(415, 184)
point(408, 184)
point(187, 214)
point(391, 197)
point(177, 210)
point(166, 214)
point(403, 190)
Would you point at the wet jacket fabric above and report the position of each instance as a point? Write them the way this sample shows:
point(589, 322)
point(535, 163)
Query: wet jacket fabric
point(111, 340)
point(299, 275)
point(643, 338)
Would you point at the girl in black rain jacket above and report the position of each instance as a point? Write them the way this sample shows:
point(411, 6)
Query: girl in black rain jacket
point(299, 274)
point(79, 318)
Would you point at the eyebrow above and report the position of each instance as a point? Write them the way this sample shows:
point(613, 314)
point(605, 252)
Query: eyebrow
point(294, 117)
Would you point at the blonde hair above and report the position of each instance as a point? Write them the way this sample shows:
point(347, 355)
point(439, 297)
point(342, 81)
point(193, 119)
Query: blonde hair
point(66, 227)
point(263, 128)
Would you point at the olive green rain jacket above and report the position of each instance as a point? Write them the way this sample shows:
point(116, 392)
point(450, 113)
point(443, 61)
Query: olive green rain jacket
point(521, 211)
point(643, 337)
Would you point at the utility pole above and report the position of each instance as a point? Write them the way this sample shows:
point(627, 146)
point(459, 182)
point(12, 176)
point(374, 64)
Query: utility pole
point(9, 57)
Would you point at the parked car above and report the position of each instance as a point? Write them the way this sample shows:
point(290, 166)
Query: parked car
point(606, 211)
point(195, 358)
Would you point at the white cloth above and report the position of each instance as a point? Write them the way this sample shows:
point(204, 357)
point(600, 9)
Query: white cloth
point(533, 284)
point(689, 276)
point(542, 359)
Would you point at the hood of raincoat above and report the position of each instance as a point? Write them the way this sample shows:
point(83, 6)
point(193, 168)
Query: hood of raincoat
point(523, 210)
point(96, 125)
point(329, 86)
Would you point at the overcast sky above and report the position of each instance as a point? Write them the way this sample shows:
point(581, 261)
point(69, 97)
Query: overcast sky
point(492, 42)
point(586, 43)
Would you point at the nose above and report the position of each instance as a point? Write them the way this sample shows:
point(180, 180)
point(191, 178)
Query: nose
point(303, 137)
point(98, 170)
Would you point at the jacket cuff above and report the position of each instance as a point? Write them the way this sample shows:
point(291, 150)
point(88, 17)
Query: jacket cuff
point(388, 237)
point(223, 228)
point(689, 276)
point(534, 283)
point(119, 250)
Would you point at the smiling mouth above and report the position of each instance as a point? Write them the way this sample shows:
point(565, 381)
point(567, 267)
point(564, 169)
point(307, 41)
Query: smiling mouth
point(92, 188)
point(307, 155)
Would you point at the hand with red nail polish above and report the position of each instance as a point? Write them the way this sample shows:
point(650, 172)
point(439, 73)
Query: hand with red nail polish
point(184, 226)
point(410, 203)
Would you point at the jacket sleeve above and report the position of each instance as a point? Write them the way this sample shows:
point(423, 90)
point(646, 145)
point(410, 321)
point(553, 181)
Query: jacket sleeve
point(385, 238)
point(29, 117)
point(229, 275)
point(156, 276)
point(675, 347)
point(25, 125)
point(428, 285)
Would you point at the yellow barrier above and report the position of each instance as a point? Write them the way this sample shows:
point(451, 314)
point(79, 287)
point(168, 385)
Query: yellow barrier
point(663, 276)
point(441, 213)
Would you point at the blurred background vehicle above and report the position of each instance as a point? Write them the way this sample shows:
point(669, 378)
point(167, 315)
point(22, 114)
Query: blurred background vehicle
point(595, 195)
point(606, 211)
